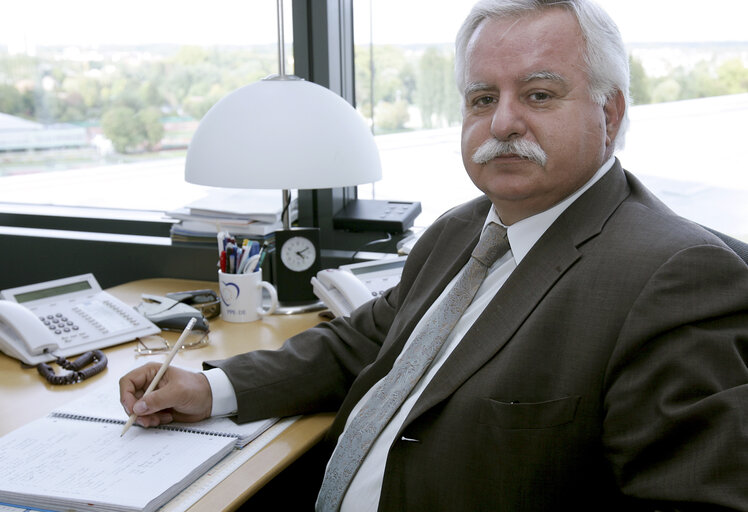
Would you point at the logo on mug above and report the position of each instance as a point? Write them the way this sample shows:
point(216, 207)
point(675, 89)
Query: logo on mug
point(229, 293)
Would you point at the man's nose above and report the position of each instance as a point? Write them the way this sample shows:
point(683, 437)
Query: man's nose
point(507, 122)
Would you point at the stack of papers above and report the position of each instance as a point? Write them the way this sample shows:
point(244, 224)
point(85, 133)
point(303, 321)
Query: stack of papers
point(252, 214)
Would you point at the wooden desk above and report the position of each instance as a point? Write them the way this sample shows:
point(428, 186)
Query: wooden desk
point(25, 396)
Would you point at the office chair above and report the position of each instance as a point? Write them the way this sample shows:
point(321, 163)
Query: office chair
point(740, 247)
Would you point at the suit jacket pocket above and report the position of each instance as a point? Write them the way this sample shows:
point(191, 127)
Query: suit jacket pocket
point(536, 415)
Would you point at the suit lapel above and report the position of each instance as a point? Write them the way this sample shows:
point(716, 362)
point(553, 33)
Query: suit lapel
point(455, 243)
point(555, 252)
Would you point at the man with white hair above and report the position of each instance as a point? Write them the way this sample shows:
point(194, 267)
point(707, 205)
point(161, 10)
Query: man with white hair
point(564, 342)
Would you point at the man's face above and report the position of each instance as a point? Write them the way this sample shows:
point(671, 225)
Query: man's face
point(526, 81)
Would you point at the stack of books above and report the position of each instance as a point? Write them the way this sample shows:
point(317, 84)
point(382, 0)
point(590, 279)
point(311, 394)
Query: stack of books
point(251, 214)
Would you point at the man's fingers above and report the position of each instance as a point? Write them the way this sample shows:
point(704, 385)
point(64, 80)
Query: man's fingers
point(154, 420)
point(181, 395)
point(159, 399)
point(133, 384)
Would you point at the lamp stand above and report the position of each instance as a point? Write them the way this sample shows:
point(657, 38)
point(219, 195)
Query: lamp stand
point(286, 209)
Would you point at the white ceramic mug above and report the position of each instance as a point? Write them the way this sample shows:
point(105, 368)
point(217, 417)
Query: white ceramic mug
point(241, 296)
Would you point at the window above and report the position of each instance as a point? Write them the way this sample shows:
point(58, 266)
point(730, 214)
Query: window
point(689, 82)
point(97, 105)
point(66, 72)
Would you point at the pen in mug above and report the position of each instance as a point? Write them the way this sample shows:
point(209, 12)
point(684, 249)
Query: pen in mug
point(219, 239)
point(161, 371)
point(249, 264)
point(263, 253)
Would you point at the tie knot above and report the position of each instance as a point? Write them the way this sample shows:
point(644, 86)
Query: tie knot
point(492, 244)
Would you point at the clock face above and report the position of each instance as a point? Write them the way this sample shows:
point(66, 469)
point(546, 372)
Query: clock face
point(298, 253)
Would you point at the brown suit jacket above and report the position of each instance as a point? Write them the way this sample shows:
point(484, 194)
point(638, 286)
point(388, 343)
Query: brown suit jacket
point(608, 373)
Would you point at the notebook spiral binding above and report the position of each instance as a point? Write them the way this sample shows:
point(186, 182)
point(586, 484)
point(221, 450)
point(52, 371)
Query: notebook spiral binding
point(173, 428)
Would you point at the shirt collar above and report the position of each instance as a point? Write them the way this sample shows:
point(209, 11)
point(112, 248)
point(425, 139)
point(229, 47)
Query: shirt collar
point(524, 234)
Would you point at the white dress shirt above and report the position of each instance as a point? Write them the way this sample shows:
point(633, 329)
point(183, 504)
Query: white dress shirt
point(364, 491)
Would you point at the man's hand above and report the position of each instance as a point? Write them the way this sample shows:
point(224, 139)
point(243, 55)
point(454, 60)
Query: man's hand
point(181, 395)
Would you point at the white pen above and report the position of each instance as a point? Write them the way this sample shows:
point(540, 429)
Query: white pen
point(220, 236)
point(249, 264)
point(161, 371)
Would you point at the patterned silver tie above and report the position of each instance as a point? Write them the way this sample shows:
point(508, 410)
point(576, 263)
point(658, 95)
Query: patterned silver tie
point(391, 392)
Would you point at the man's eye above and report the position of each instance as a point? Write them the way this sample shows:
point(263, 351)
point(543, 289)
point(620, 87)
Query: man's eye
point(483, 101)
point(540, 96)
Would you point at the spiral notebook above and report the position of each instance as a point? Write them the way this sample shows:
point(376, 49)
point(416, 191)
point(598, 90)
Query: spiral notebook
point(74, 458)
point(103, 405)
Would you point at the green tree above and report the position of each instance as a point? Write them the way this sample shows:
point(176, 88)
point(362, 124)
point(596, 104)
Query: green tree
point(178, 84)
point(667, 90)
point(149, 93)
point(391, 116)
point(150, 125)
point(188, 56)
point(699, 82)
point(431, 96)
point(121, 126)
point(409, 80)
point(86, 92)
point(733, 75)
point(640, 87)
point(11, 101)
point(70, 107)
point(198, 106)
point(125, 92)
point(393, 80)
point(388, 83)
point(452, 108)
point(364, 90)
point(15, 69)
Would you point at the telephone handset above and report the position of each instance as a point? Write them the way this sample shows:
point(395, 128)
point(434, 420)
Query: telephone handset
point(65, 317)
point(340, 291)
point(346, 288)
point(22, 335)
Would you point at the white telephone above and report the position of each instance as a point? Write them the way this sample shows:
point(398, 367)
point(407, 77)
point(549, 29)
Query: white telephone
point(65, 317)
point(346, 288)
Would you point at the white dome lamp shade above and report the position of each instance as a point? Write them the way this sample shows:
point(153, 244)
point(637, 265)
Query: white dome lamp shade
point(282, 133)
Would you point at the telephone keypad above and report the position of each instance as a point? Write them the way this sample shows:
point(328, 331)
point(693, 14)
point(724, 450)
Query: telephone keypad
point(62, 326)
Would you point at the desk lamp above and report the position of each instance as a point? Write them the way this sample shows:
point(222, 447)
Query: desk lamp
point(284, 133)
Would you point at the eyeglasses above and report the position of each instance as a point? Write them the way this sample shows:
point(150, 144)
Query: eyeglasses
point(155, 344)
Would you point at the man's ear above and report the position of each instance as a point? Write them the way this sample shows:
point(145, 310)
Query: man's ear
point(614, 109)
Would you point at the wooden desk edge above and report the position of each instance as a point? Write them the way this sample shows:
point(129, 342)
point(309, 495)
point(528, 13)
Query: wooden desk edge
point(301, 436)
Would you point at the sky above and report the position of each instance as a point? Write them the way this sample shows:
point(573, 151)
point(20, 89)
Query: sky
point(159, 21)
point(638, 20)
point(395, 21)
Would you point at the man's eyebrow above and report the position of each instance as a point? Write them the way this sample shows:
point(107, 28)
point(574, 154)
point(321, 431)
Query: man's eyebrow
point(551, 76)
point(476, 87)
point(543, 75)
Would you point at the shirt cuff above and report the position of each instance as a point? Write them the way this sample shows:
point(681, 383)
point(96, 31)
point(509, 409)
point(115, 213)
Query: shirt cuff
point(224, 398)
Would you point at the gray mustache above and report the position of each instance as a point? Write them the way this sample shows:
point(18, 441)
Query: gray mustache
point(493, 148)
